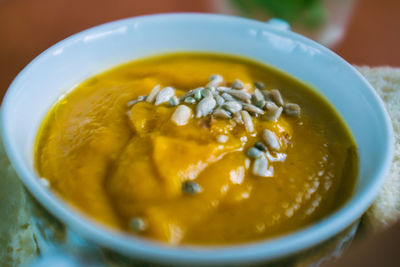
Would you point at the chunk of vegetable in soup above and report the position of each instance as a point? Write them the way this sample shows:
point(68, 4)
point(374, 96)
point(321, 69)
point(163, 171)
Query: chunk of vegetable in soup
point(198, 149)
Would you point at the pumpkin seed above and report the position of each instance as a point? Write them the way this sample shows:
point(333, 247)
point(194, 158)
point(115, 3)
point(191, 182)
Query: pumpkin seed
point(153, 93)
point(258, 95)
point(205, 106)
point(222, 138)
point(221, 113)
point(254, 152)
point(253, 109)
point(232, 106)
point(237, 84)
point(181, 115)
point(248, 122)
point(259, 85)
point(292, 109)
point(276, 96)
point(269, 138)
point(173, 101)
point(191, 188)
point(261, 146)
point(215, 80)
point(164, 95)
point(190, 100)
point(138, 224)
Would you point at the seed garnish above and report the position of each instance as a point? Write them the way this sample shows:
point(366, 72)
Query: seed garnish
point(237, 84)
point(181, 115)
point(248, 122)
point(270, 139)
point(191, 188)
point(190, 100)
point(138, 224)
point(292, 109)
point(205, 106)
point(153, 93)
point(164, 95)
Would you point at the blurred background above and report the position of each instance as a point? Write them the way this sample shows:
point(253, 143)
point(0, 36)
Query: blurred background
point(364, 32)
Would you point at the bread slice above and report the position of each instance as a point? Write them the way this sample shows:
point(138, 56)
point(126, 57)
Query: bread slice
point(386, 208)
point(17, 241)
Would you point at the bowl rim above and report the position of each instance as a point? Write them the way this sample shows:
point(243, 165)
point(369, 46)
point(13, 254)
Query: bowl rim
point(270, 249)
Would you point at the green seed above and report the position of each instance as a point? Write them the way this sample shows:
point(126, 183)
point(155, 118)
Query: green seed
point(138, 224)
point(173, 101)
point(190, 100)
point(253, 152)
point(191, 188)
point(198, 94)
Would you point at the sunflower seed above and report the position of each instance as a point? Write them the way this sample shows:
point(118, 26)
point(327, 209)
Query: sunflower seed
point(261, 146)
point(206, 92)
point(198, 94)
point(259, 85)
point(237, 84)
point(241, 95)
point(254, 153)
point(164, 95)
point(181, 115)
point(261, 167)
point(237, 118)
point(221, 113)
point(292, 109)
point(215, 80)
point(248, 122)
point(222, 139)
point(253, 109)
point(276, 96)
point(227, 97)
point(232, 106)
point(220, 100)
point(173, 101)
point(258, 95)
point(205, 106)
point(190, 100)
point(191, 188)
point(153, 93)
point(272, 113)
point(190, 93)
point(138, 224)
point(260, 104)
point(269, 138)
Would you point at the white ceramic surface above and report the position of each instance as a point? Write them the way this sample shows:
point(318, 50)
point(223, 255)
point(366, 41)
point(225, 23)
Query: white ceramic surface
point(85, 54)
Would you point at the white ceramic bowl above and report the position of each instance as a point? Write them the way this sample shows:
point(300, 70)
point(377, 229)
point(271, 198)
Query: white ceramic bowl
point(85, 54)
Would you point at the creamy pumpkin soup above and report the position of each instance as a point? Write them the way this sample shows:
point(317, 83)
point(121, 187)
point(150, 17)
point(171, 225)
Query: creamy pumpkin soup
point(198, 149)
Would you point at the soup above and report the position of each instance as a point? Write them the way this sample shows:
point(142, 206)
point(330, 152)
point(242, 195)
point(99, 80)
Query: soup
point(196, 148)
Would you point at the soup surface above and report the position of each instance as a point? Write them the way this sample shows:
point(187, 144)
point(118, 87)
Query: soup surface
point(188, 167)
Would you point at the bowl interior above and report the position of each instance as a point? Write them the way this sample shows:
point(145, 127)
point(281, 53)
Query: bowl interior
point(83, 55)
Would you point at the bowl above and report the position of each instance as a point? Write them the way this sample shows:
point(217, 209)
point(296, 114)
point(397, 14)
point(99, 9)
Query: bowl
point(63, 66)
